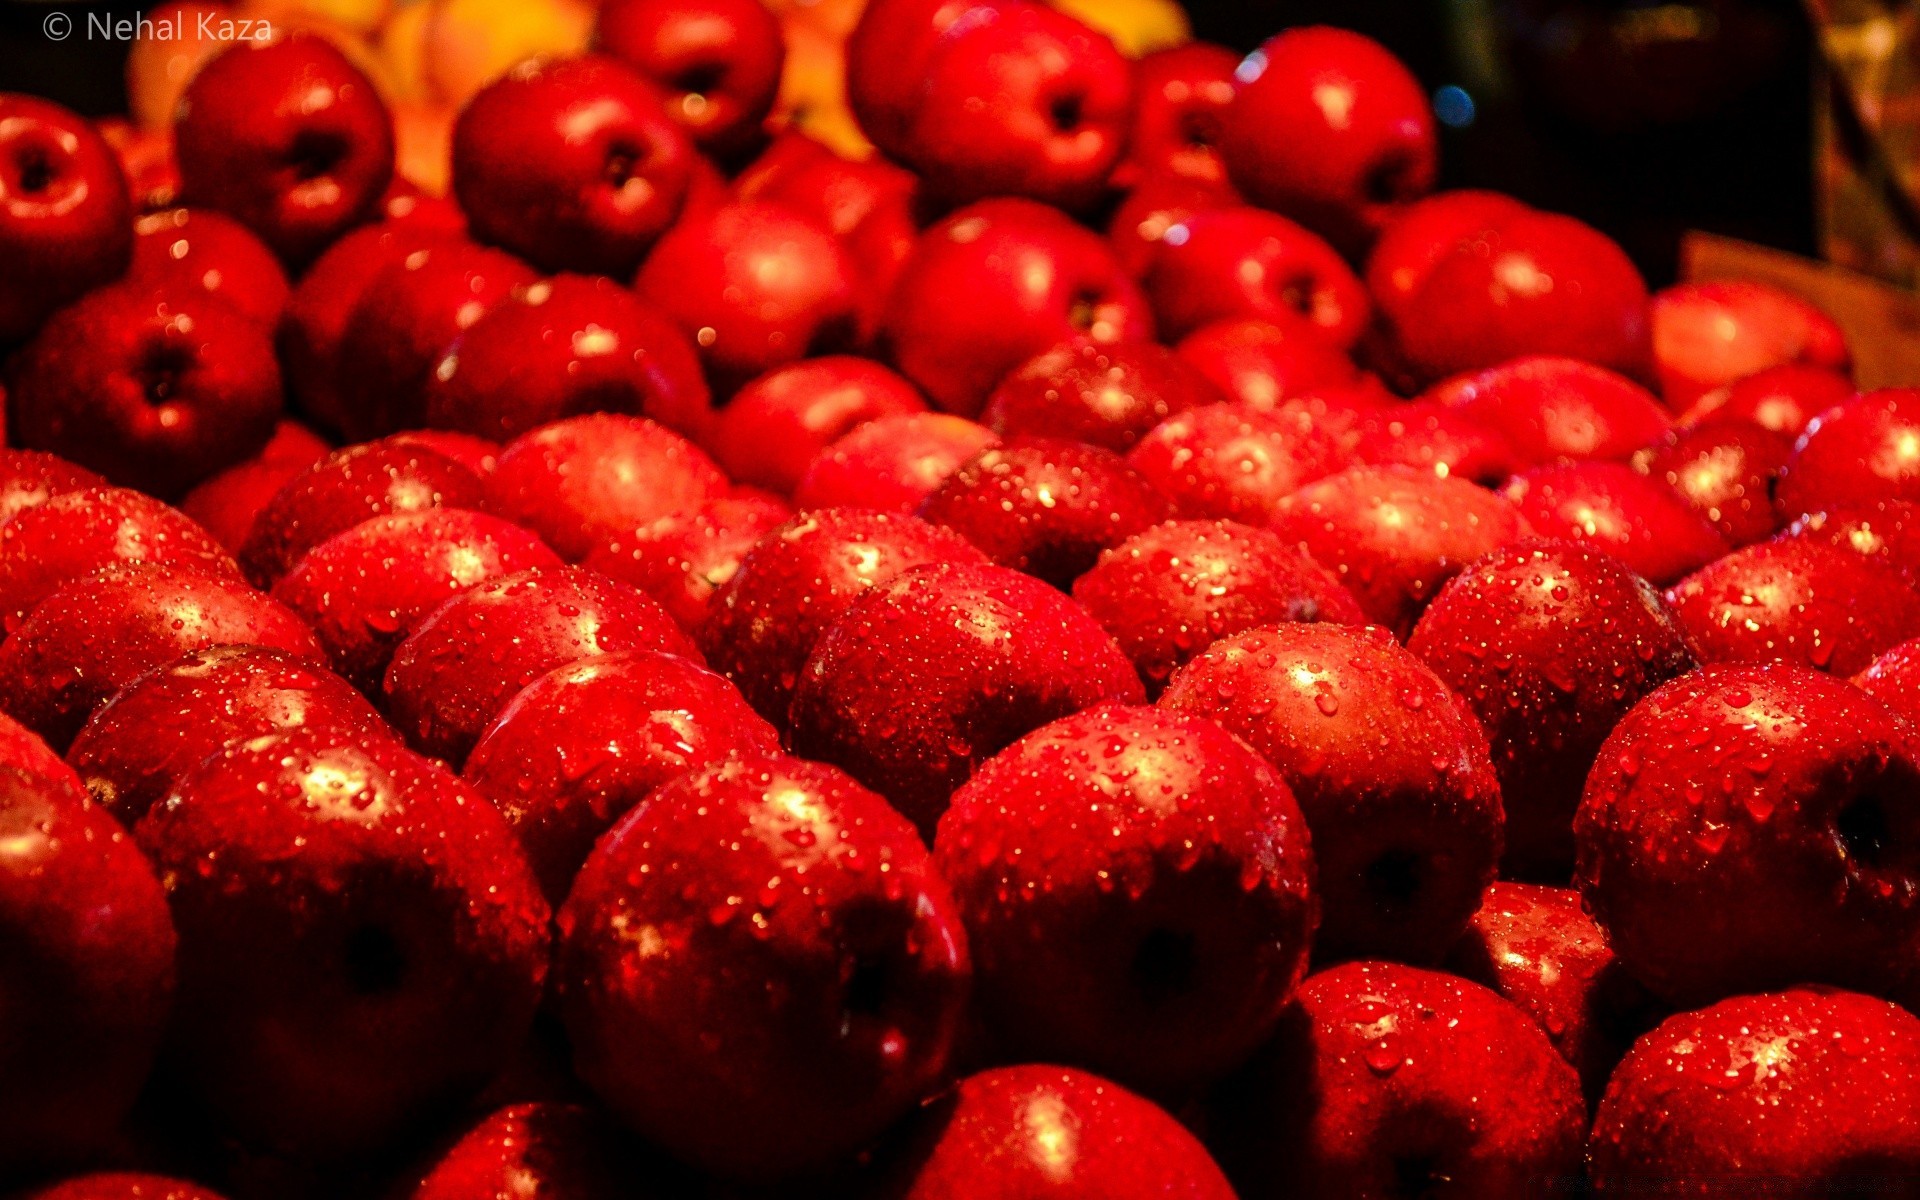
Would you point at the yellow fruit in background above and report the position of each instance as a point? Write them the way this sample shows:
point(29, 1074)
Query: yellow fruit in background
point(835, 18)
point(471, 43)
point(361, 16)
point(160, 68)
point(423, 146)
point(402, 47)
point(1137, 27)
point(813, 92)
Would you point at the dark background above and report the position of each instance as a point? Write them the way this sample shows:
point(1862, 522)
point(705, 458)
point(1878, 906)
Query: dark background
point(1645, 118)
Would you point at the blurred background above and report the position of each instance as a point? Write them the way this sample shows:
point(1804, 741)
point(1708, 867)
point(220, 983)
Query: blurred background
point(1647, 119)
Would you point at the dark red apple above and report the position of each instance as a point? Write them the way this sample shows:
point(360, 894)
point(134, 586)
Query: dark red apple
point(66, 219)
point(227, 504)
point(116, 1185)
point(181, 249)
point(684, 560)
point(717, 61)
point(1183, 96)
point(23, 749)
point(891, 464)
point(546, 1149)
point(1419, 235)
point(1894, 680)
point(1887, 531)
point(1158, 203)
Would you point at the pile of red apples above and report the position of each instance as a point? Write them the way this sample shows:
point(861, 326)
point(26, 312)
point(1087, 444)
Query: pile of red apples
point(1124, 647)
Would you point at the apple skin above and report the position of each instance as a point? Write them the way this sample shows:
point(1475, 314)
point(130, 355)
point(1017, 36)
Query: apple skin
point(1809, 1089)
point(154, 390)
point(77, 533)
point(462, 662)
point(1637, 519)
point(1782, 399)
point(373, 479)
point(1796, 600)
point(904, 694)
point(139, 744)
point(1794, 867)
point(776, 425)
point(1894, 680)
point(580, 746)
point(542, 1148)
point(1231, 263)
point(30, 478)
point(574, 482)
point(774, 1026)
point(1420, 235)
point(66, 220)
point(1052, 1133)
point(183, 248)
point(1854, 453)
point(1330, 128)
point(22, 749)
point(1137, 887)
point(1169, 592)
point(1106, 396)
point(370, 952)
point(122, 1185)
point(1558, 408)
point(1045, 506)
point(404, 320)
point(227, 504)
point(572, 164)
point(1183, 94)
point(1726, 470)
point(888, 54)
point(756, 285)
point(764, 623)
point(1395, 535)
point(1156, 204)
point(96, 634)
point(1542, 952)
point(684, 560)
point(717, 63)
point(1233, 461)
point(1887, 531)
point(89, 963)
point(1709, 335)
point(476, 454)
point(287, 137)
point(1263, 362)
point(562, 347)
point(891, 464)
point(1446, 441)
point(1389, 1080)
point(1032, 279)
point(1391, 769)
point(1550, 644)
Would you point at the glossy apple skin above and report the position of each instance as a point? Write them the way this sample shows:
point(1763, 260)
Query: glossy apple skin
point(1887, 531)
point(1330, 128)
point(888, 55)
point(77, 533)
point(1053, 1133)
point(1183, 94)
point(180, 249)
point(363, 590)
point(139, 744)
point(756, 285)
point(1390, 767)
point(1233, 461)
point(573, 164)
point(1389, 1080)
point(1637, 519)
point(574, 482)
point(1858, 452)
point(370, 951)
point(1137, 887)
point(1233, 263)
point(774, 1026)
point(1446, 441)
point(1794, 867)
point(903, 692)
point(562, 347)
point(580, 746)
point(1261, 363)
point(1169, 592)
point(891, 464)
point(22, 749)
point(95, 635)
point(227, 504)
point(1419, 235)
point(1032, 279)
point(347, 487)
point(542, 1148)
point(776, 425)
point(1106, 396)
point(1796, 600)
point(116, 1185)
point(405, 319)
point(1782, 399)
point(287, 137)
point(466, 659)
point(1394, 535)
point(153, 390)
point(1533, 283)
point(1808, 1088)
point(1894, 680)
point(30, 478)
point(717, 62)
point(763, 624)
point(1709, 335)
point(684, 560)
point(66, 220)
point(1726, 470)
point(1549, 644)
point(89, 963)
point(1542, 952)
point(1046, 507)
point(1158, 203)
point(1554, 408)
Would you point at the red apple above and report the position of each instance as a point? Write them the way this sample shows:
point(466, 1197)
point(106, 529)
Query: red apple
point(1782, 399)
point(1184, 94)
point(1229, 460)
point(1158, 203)
point(1262, 363)
point(23, 749)
point(564, 1151)
point(1108, 396)
point(1421, 234)
point(685, 559)
point(1447, 441)
point(777, 424)
point(1637, 519)
point(1709, 335)
point(1555, 408)
point(1232, 263)
point(66, 220)
point(30, 478)
point(181, 249)
point(1894, 680)
point(115, 1185)
point(717, 61)
point(1887, 531)
point(891, 464)
point(1862, 450)
point(1726, 470)
point(227, 505)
